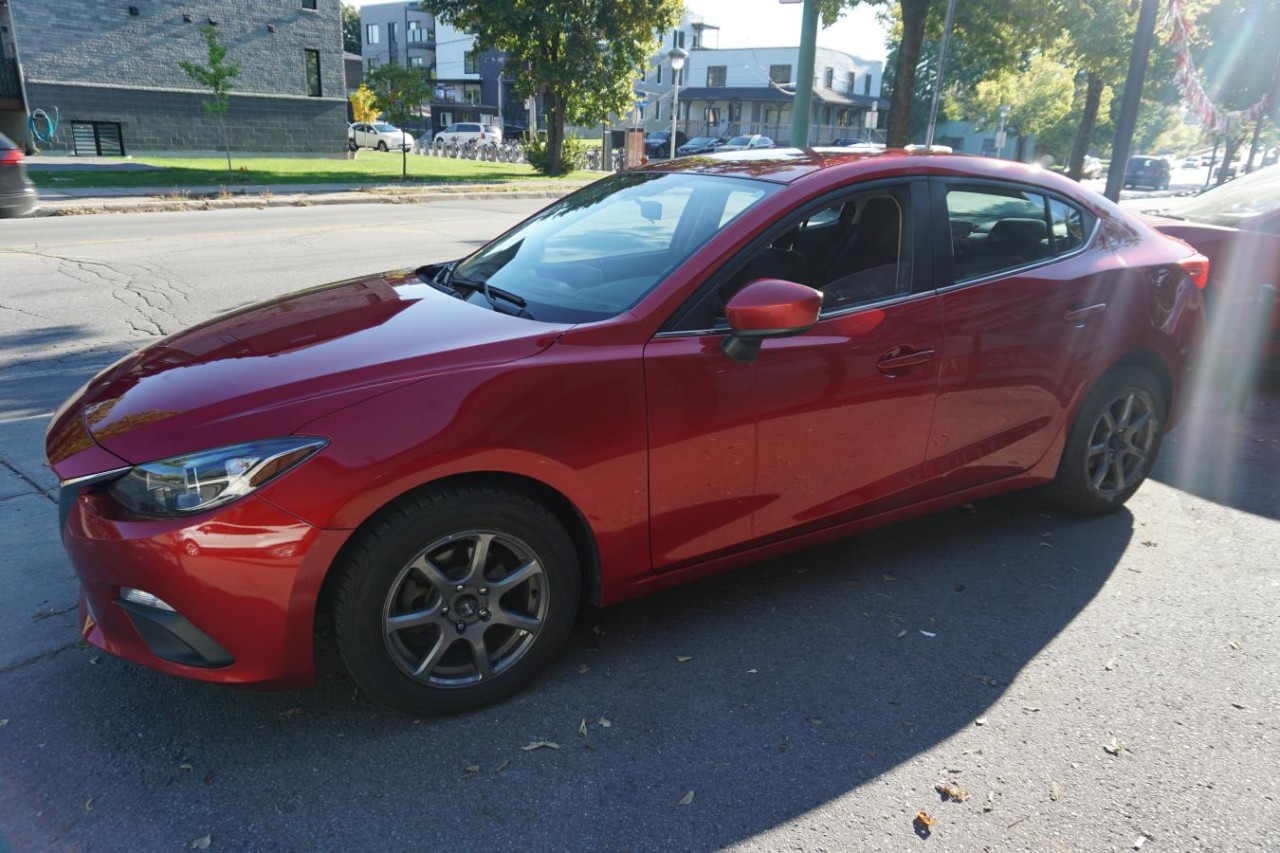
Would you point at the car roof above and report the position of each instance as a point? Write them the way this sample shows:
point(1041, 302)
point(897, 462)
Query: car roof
point(788, 165)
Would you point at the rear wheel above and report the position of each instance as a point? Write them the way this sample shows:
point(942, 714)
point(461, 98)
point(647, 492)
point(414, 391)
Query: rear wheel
point(382, 145)
point(455, 598)
point(1112, 444)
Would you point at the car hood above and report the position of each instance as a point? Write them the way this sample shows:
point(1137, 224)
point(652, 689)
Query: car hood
point(270, 368)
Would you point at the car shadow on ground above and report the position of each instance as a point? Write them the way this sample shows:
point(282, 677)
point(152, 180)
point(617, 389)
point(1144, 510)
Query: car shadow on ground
point(768, 691)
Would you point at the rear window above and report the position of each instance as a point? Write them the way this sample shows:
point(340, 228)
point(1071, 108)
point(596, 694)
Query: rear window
point(472, 128)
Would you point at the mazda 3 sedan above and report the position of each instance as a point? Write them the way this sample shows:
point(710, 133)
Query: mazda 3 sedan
point(671, 372)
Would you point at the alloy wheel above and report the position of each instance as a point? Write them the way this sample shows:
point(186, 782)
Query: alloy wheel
point(1121, 442)
point(465, 608)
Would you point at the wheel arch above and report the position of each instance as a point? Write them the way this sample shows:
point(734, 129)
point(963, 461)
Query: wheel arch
point(565, 511)
point(1155, 364)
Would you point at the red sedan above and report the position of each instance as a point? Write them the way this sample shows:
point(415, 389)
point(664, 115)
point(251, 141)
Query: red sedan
point(1237, 226)
point(669, 373)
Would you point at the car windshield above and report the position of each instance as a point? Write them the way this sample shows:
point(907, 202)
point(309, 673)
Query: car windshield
point(700, 140)
point(1230, 204)
point(659, 135)
point(386, 128)
point(596, 253)
point(740, 140)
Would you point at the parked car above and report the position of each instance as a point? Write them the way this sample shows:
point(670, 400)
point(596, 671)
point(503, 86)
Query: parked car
point(1192, 161)
point(676, 370)
point(701, 145)
point(379, 135)
point(1237, 225)
point(17, 193)
point(658, 143)
point(743, 143)
point(1145, 170)
point(465, 131)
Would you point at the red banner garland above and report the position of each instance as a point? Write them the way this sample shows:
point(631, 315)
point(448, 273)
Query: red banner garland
point(1188, 78)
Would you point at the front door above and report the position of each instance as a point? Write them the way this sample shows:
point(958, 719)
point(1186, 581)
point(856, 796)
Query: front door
point(820, 428)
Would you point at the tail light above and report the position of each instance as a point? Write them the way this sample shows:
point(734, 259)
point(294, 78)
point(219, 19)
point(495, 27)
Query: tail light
point(10, 156)
point(1196, 268)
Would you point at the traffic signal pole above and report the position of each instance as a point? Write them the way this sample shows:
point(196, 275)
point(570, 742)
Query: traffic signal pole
point(1128, 119)
point(803, 104)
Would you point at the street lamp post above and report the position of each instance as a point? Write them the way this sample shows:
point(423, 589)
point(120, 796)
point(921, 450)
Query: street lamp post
point(1000, 137)
point(678, 55)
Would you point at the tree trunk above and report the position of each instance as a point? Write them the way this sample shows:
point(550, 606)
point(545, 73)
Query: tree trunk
point(914, 13)
point(226, 145)
point(555, 132)
point(1088, 121)
point(1229, 149)
point(404, 161)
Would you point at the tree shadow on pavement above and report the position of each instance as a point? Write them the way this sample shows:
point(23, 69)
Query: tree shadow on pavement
point(39, 368)
point(768, 692)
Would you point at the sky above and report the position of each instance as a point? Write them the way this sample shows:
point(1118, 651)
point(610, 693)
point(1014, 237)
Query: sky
point(768, 23)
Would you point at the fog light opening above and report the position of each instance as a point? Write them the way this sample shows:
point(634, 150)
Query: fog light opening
point(146, 599)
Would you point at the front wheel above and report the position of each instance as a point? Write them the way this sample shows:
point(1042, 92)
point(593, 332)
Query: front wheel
point(1113, 443)
point(351, 145)
point(455, 599)
point(382, 145)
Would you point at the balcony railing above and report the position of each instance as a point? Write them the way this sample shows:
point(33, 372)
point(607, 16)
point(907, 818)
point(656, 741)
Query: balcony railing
point(10, 85)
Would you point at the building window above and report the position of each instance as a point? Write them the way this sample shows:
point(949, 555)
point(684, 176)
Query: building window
point(829, 78)
point(370, 62)
point(677, 38)
point(866, 85)
point(416, 33)
point(391, 33)
point(780, 73)
point(309, 4)
point(715, 76)
point(313, 73)
point(371, 34)
point(415, 62)
point(852, 79)
point(659, 80)
point(469, 64)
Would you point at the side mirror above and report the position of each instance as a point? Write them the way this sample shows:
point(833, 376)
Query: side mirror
point(768, 308)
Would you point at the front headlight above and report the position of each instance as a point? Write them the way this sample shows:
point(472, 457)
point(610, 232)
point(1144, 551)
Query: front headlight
point(201, 481)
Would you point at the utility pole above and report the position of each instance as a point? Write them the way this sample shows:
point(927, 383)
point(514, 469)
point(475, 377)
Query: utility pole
point(803, 104)
point(942, 70)
point(1128, 119)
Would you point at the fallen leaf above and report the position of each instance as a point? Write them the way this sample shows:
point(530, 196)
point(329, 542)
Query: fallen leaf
point(1055, 791)
point(185, 767)
point(813, 721)
point(901, 634)
point(923, 818)
point(1239, 706)
point(292, 712)
point(605, 724)
point(540, 744)
point(1141, 840)
point(954, 793)
point(687, 799)
point(1234, 645)
point(990, 804)
point(1149, 544)
point(4, 722)
point(506, 762)
point(1030, 708)
point(752, 671)
point(202, 843)
point(1046, 544)
point(582, 670)
point(208, 778)
point(1110, 665)
point(93, 659)
point(683, 658)
point(1114, 748)
point(929, 633)
point(981, 721)
point(472, 770)
point(582, 728)
point(987, 680)
point(88, 804)
point(589, 745)
point(888, 578)
point(597, 630)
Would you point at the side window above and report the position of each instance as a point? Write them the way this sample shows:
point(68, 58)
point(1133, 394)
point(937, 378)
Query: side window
point(1070, 226)
point(995, 229)
point(855, 251)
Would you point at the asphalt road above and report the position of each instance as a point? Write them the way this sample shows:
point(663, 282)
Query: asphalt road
point(1003, 649)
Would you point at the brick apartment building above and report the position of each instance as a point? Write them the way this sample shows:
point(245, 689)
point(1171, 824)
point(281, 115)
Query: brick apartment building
point(110, 67)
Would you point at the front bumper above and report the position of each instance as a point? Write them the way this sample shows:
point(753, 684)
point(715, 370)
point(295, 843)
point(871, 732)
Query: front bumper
point(18, 203)
point(243, 583)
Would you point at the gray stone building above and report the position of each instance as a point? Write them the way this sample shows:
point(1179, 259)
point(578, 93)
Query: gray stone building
point(111, 69)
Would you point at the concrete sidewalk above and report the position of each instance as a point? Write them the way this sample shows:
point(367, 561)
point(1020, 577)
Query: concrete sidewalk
point(73, 201)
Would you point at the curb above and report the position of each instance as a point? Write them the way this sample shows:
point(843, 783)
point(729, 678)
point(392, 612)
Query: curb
point(151, 204)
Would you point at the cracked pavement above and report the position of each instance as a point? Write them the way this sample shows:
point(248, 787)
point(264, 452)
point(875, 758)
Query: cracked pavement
point(809, 702)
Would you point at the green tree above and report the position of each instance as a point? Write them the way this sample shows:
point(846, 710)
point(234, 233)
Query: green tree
point(581, 56)
point(351, 41)
point(218, 77)
point(399, 94)
point(1038, 97)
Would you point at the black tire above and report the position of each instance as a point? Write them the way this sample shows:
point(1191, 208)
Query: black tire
point(352, 146)
point(1076, 487)
point(386, 575)
point(382, 145)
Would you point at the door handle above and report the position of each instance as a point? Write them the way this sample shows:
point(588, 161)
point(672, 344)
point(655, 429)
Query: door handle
point(890, 363)
point(1080, 316)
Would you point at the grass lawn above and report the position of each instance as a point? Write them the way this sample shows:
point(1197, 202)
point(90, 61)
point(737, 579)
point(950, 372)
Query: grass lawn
point(370, 167)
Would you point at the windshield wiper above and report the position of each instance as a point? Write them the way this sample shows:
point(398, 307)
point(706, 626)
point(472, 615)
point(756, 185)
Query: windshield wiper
point(454, 281)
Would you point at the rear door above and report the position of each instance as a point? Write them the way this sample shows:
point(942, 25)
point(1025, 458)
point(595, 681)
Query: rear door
point(1025, 295)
